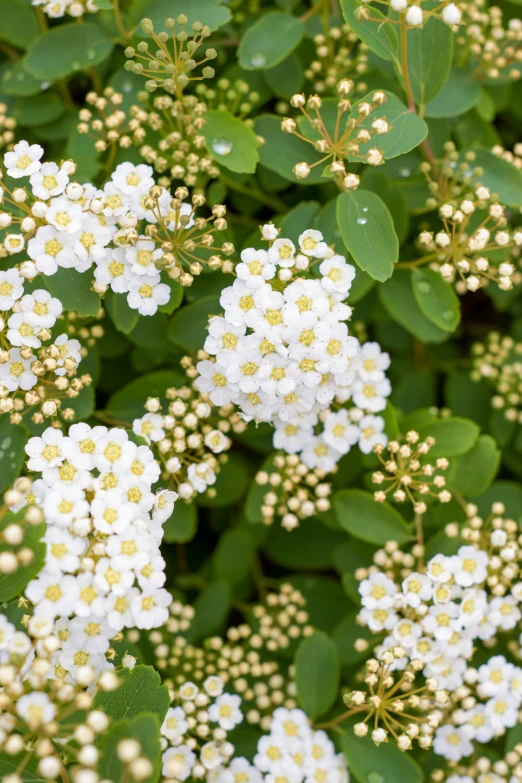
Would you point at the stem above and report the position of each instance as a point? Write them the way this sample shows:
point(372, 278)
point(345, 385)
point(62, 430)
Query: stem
point(119, 21)
point(405, 71)
point(418, 261)
point(430, 157)
point(340, 718)
point(419, 534)
point(102, 416)
point(311, 11)
point(258, 195)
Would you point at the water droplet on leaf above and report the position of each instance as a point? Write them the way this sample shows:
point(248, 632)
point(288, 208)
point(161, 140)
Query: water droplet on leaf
point(222, 146)
point(127, 87)
point(375, 777)
point(362, 221)
point(91, 54)
point(258, 60)
point(424, 287)
point(447, 315)
point(404, 172)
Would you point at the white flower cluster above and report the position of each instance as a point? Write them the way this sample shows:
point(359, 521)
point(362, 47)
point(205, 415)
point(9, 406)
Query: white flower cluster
point(187, 445)
point(283, 353)
point(292, 752)
point(438, 616)
point(55, 9)
point(74, 226)
point(192, 748)
point(25, 322)
point(415, 15)
point(103, 569)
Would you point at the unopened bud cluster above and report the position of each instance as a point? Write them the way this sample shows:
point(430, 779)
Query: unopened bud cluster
point(498, 362)
point(406, 474)
point(353, 136)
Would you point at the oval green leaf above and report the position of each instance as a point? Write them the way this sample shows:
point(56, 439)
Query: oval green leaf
point(368, 232)
point(317, 674)
point(67, 49)
point(231, 142)
point(437, 300)
point(359, 514)
point(269, 41)
point(399, 300)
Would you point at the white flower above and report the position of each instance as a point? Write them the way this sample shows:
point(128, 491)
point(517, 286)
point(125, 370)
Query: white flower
point(225, 711)
point(114, 271)
point(337, 274)
point(145, 296)
point(11, 288)
point(371, 395)
point(49, 181)
point(472, 566)
point(417, 588)
point(23, 330)
point(339, 432)
point(142, 257)
point(452, 743)
point(150, 608)
point(24, 160)
point(282, 253)
point(16, 373)
point(255, 268)
point(312, 244)
point(178, 762)
point(371, 429)
point(66, 216)
point(51, 248)
point(43, 307)
point(149, 427)
point(175, 725)
point(35, 708)
point(53, 594)
point(213, 380)
point(131, 179)
point(377, 591)
point(14, 243)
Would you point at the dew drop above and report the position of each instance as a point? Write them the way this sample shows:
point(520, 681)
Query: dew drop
point(127, 87)
point(424, 287)
point(258, 60)
point(45, 85)
point(76, 65)
point(375, 777)
point(91, 54)
point(365, 209)
point(222, 146)
point(447, 315)
point(404, 172)
point(20, 76)
point(362, 221)
point(5, 443)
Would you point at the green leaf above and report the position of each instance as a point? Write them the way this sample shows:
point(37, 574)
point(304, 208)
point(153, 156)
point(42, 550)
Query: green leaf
point(507, 492)
point(359, 514)
point(286, 78)
point(12, 585)
point(144, 728)
point(345, 634)
point(19, 23)
point(407, 130)
point(316, 674)
point(234, 554)
point(211, 610)
point(212, 13)
point(282, 151)
point(38, 109)
point(430, 54)
point(453, 436)
point(437, 300)
point(74, 291)
point(310, 546)
point(269, 41)
point(128, 402)
point(383, 764)
point(460, 93)
point(67, 49)
point(188, 327)
point(140, 690)
point(17, 81)
point(472, 473)
point(176, 295)
point(500, 176)
point(181, 526)
point(380, 38)
point(17, 766)
point(232, 143)
point(368, 232)
point(12, 451)
point(123, 317)
point(399, 300)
